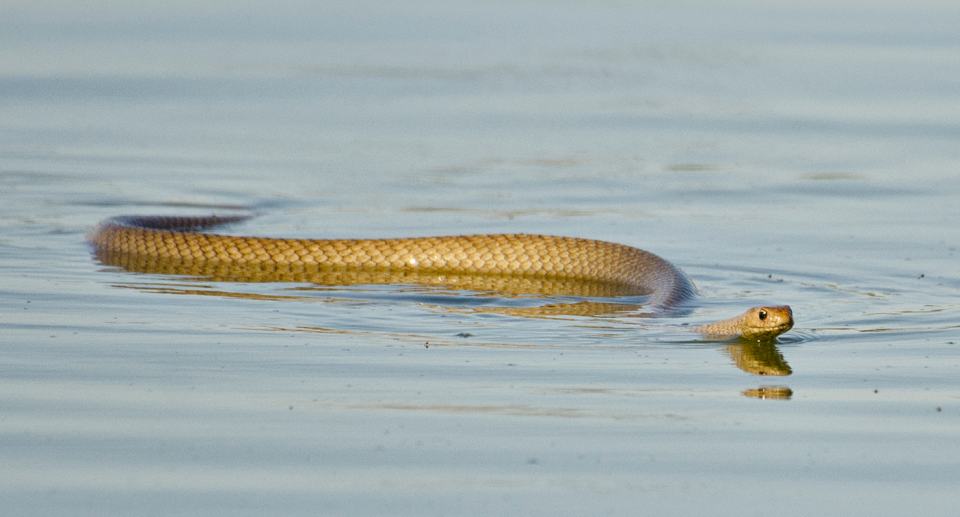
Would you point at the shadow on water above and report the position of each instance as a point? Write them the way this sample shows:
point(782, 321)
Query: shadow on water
point(761, 358)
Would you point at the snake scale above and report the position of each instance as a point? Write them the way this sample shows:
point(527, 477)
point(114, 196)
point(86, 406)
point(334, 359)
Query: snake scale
point(152, 241)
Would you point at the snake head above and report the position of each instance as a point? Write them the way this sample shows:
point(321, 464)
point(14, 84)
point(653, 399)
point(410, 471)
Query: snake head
point(766, 322)
point(758, 323)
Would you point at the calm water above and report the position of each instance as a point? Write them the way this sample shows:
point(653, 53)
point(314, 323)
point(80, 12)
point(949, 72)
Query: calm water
point(778, 154)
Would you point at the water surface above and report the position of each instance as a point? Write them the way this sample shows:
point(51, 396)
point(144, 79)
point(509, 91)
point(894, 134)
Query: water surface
point(779, 154)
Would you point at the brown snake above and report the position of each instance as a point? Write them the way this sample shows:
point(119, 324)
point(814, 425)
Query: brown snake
point(517, 262)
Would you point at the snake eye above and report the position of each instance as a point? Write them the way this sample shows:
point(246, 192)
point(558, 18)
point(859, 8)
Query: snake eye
point(763, 315)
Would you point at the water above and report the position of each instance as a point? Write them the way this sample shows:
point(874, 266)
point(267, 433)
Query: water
point(779, 154)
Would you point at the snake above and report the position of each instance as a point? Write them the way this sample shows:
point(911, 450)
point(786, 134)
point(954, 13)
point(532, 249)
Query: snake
point(153, 243)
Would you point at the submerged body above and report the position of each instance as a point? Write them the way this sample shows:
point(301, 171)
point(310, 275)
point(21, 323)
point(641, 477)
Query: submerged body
point(521, 256)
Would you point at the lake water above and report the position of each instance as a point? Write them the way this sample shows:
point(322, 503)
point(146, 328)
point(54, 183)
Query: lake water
point(779, 154)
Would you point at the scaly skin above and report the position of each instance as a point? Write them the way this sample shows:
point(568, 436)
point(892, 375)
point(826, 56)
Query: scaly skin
point(535, 257)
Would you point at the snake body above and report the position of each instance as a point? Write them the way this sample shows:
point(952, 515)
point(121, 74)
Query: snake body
point(128, 239)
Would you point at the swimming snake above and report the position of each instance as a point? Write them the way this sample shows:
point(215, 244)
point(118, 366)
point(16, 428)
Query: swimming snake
point(525, 262)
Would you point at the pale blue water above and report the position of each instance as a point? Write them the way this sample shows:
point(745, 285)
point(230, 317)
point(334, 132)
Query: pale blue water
point(804, 155)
